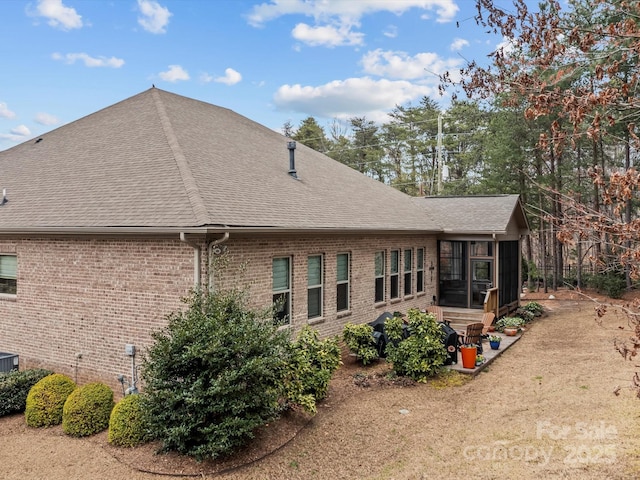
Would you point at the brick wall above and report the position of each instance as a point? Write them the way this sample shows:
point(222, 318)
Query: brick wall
point(80, 300)
point(250, 262)
point(87, 298)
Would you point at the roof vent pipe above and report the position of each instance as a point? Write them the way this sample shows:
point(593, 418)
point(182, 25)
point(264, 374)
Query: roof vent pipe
point(292, 159)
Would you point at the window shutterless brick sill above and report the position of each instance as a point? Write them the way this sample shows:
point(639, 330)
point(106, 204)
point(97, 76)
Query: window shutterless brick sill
point(395, 300)
point(407, 297)
point(380, 304)
point(346, 313)
point(8, 297)
point(315, 321)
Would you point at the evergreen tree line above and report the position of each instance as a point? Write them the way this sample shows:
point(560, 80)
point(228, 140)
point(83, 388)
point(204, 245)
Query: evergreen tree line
point(552, 118)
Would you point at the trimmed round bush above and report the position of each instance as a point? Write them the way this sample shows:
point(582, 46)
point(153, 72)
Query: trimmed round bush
point(45, 400)
point(128, 424)
point(87, 410)
point(15, 386)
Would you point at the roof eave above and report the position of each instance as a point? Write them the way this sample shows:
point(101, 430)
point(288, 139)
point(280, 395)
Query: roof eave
point(13, 231)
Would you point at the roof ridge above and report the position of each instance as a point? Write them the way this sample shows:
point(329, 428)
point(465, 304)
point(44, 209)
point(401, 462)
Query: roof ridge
point(193, 193)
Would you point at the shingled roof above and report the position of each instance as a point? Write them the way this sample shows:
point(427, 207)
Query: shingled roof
point(159, 161)
point(481, 214)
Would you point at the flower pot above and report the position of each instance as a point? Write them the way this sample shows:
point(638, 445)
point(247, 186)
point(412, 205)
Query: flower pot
point(494, 345)
point(510, 332)
point(468, 356)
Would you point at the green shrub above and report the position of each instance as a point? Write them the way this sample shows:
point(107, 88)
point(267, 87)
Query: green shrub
point(311, 363)
point(525, 315)
point(87, 410)
point(533, 307)
point(45, 400)
point(128, 424)
point(15, 386)
point(422, 354)
point(359, 340)
point(214, 375)
point(614, 285)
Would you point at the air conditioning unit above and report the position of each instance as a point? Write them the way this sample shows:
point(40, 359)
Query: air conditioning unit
point(8, 362)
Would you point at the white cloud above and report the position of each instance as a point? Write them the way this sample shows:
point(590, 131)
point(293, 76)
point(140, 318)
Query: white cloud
point(89, 61)
point(335, 20)
point(351, 97)
point(458, 44)
point(328, 35)
point(391, 31)
point(21, 130)
point(231, 77)
point(400, 65)
point(174, 74)
point(18, 134)
point(353, 10)
point(58, 15)
point(155, 17)
point(5, 112)
point(46, 119)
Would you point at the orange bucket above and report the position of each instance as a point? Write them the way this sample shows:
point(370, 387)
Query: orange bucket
point(468, 356)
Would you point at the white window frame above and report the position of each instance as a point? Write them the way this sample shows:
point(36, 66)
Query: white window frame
point(407, 270)
point(420, 270)
point(8, 274)
point(380, 276)
point(344, 283)
point(315, 287)
point(285, 291)
point(394, 273)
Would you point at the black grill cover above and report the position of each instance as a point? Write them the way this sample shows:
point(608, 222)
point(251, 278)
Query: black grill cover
point(450, 340)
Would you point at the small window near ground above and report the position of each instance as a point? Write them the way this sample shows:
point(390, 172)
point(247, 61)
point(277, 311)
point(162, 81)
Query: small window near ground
point(342, 282)
point(379, 276)
point(8, 274)
point(314, 286)
point(282, 290)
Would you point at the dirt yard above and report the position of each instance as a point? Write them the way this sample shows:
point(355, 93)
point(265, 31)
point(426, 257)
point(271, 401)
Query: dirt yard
point(545, 408)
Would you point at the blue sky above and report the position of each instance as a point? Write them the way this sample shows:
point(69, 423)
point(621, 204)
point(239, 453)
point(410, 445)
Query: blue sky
point(272, 60)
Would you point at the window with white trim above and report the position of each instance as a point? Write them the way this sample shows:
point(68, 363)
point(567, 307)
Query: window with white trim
point(281, 271)
point(420, 270)
point(314, 286)
point(379, 276)
point(8, 274)
point(394, 274)
point(342, 281)
point(408, 271)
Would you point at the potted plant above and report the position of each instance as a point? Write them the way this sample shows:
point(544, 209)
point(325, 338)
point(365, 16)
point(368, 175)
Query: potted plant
point(468, 352)
point(479, 360)
point(494, 341)
point(510, 326)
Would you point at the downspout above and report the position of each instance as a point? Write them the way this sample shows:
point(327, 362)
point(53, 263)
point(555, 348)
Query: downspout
point(211, 250)
point(196, 259)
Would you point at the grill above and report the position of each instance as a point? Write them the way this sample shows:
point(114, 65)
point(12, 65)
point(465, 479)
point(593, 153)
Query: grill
point(450, 341)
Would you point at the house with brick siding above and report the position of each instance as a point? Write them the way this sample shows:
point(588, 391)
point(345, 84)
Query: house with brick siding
point(108, 222)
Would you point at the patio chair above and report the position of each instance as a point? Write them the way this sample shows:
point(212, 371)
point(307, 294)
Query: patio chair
point(487, 321)
point(437, 311)
point(472, 335)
